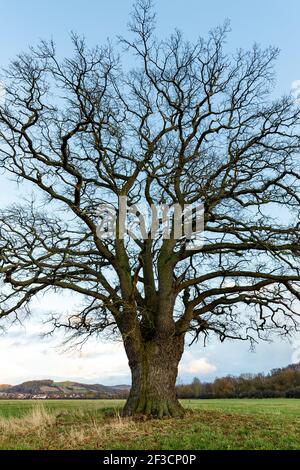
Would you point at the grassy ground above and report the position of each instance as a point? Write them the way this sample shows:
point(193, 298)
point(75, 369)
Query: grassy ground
point(209, 424)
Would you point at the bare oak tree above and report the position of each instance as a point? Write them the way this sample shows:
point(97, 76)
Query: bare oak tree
point(188, 123)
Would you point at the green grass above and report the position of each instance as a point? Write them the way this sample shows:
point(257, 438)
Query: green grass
point(19, 408)
point(276, 406)
point(95, 424)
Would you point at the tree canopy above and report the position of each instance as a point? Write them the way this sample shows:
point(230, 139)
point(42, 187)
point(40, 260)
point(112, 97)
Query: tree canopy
point(188, 123)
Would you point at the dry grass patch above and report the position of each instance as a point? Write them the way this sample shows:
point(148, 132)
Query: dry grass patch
point(97, 433)
point(38, 420)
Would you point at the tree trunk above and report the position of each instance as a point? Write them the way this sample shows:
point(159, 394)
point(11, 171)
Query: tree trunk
point(154, 374)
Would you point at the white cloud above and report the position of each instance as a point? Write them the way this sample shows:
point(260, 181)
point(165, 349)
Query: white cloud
point(195, 366)
point(296, 91)
point(26, 355)
point(2, 93)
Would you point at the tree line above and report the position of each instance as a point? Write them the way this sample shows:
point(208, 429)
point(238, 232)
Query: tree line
point(281, 382)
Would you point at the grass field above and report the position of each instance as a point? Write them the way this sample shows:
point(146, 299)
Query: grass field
point(96, 424)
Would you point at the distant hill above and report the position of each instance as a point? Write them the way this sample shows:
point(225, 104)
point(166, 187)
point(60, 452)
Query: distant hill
point(51, 389)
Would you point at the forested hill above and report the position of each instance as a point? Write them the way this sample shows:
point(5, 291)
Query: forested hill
point(283, 382)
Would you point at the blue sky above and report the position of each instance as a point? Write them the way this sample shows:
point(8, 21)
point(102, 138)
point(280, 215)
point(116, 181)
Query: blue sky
point(23, 355)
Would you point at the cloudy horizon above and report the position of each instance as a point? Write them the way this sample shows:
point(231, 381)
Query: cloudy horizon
point(27, 354)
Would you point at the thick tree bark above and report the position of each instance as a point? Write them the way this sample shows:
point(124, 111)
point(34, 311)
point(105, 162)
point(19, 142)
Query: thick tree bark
point(154, 372)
